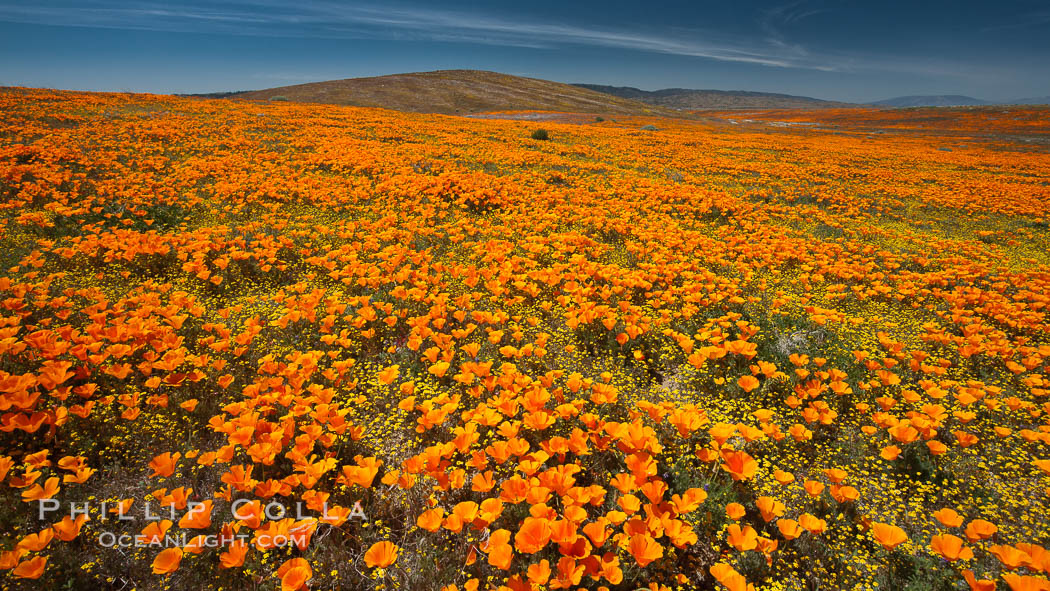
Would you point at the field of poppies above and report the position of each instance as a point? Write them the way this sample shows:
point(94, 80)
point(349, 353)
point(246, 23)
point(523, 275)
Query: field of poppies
point(278, 346)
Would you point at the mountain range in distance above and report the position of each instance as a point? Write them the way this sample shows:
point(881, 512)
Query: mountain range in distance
point(686, 99)
point(474, 91)
point(689, 99)
point(953, 100)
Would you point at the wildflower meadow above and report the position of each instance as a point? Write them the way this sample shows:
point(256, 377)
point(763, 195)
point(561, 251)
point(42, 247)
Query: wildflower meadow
point(268, 345)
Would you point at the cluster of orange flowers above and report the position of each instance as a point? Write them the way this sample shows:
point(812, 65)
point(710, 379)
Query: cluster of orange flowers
point(321, 347)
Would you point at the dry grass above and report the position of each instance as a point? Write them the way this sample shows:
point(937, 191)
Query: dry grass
point(457, 92)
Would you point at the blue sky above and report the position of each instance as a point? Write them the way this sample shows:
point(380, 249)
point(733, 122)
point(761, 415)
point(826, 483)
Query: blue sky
point(835, 49)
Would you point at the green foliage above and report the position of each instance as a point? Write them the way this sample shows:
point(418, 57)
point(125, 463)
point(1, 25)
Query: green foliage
point(541, 134)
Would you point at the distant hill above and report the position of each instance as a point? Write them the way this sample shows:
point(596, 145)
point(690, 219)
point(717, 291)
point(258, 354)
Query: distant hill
point(455, 91)
point(1039, 100)
point(954, 100)
point(215, 95)
point(688, 99)
point(943, 100)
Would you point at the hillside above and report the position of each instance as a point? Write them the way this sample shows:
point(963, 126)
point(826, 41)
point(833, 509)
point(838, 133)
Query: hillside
point(455, 91)
point(686, 99)
point(945, 100)
point(455, 353)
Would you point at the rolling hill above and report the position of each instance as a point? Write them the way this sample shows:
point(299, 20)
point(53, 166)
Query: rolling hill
point(686, 99)
point(455, 92)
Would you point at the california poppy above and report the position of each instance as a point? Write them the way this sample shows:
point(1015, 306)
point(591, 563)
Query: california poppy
point(645, 549)
point(381, 555)
point(294, 574)
point(167, 561)
point(31, 568)
point(890, 536)
point(533, 535)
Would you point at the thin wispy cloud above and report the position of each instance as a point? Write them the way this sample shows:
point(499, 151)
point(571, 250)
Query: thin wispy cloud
point(778, 19)
point(796, 11)
point(771, 42)
point(325, 19)
point(773, 19)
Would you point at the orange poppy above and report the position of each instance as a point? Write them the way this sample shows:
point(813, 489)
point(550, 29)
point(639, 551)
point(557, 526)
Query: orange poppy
point(500, 552)
point(645, 549)
point(948, 517)
point(167, 561)
point(950, 547)
point(294, 574)
point(742, 539)
point(789, 528)
point(739, 464)
point(533, 535)
point(769, 508)
point(31, 568)
point(889, 536)
point(164, 464)
point(979, 529)
point(812, 524)
point(735, 511)
point(381, 555)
